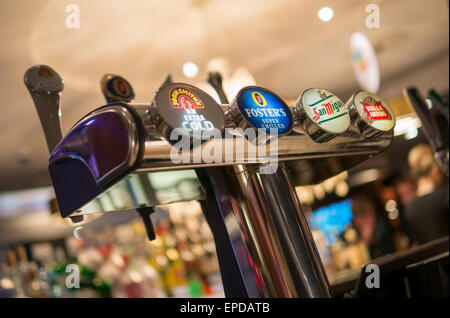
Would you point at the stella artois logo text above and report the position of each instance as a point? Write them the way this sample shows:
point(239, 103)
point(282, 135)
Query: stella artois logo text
point(374, 110)
point(184, 98)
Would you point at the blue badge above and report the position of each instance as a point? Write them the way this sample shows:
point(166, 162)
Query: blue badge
point(263, 109)
point(116, 88)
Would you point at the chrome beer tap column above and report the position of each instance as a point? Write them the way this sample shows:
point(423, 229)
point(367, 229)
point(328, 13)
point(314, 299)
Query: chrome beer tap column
point(263, 201)
point(297, 270)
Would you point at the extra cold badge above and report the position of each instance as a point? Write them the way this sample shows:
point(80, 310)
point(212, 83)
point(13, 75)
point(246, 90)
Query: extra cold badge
point(188, 102)
point(185, 107)
point(374, 111)
point(264, 110)
point(116, 88)
point(326, 110)
point(181, 97)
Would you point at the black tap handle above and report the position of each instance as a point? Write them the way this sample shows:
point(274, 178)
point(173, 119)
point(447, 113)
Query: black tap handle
point(215, 80)
point(144, 213)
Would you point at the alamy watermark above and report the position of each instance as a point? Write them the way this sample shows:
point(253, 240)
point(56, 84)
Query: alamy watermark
point(373, 278)
point(73, 17)
point(231, 147)
point(373, 17)
point(73, 279)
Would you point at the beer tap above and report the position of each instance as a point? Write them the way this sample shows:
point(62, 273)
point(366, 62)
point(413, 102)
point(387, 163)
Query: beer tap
point(45, 87)
point(434, 123)
point(115, 88)
point(265, 247)
point(215, 80)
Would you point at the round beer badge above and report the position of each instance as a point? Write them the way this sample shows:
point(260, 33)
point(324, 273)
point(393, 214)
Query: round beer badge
point(325, 110)
point(42, 79)
point(186, 108)
point(181, 97)
point(116, 88)
point(374, 111)
point(263, 109)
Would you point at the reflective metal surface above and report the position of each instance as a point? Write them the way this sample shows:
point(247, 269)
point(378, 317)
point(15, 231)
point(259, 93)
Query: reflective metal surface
point(105, 141)
point(147, 189)
point(302, 155)
point(45, 87)
point(279, 248)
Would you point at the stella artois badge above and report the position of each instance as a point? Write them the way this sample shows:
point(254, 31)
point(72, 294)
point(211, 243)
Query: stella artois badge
point(374, 111)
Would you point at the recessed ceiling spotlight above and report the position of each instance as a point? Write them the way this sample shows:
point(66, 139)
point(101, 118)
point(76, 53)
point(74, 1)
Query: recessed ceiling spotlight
point(190, 69)
point(325, 14)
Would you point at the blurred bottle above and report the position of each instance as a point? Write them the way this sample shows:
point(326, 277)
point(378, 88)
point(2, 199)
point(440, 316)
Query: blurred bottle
point(339, 253)
point(11, 280)
point(35, 287)
point(357, 250)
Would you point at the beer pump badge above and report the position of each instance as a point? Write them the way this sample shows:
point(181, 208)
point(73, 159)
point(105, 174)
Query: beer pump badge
point(264, 110)
point(374, 111)
point(43, 80)
point(188, 108)
point(326, 110)
point(117, 88)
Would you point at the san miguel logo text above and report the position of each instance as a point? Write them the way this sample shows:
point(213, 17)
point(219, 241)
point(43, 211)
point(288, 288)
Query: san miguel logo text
point(184, 98)
point(374, 110)
point(326, 109)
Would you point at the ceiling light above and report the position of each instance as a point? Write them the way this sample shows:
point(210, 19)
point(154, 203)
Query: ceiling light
point(325, 14)
point(190, 69)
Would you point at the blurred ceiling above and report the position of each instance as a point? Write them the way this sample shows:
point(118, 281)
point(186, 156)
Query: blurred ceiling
point(281, 43)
